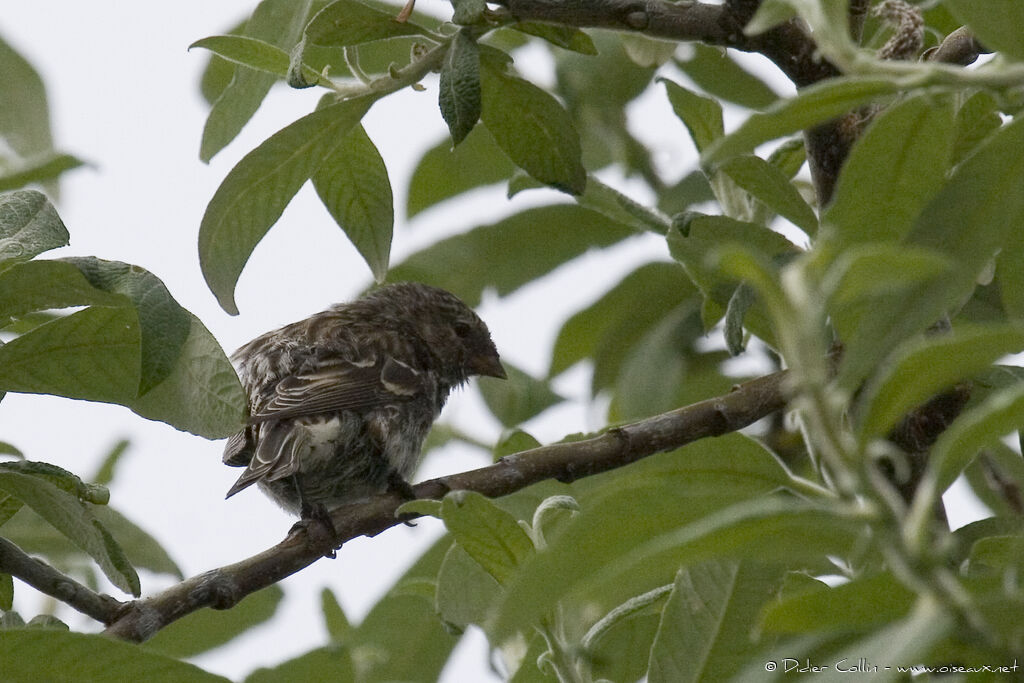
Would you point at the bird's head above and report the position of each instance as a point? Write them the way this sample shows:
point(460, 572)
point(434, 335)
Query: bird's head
point(454, 333)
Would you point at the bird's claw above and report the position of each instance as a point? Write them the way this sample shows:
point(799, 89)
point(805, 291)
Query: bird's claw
point(316, 513)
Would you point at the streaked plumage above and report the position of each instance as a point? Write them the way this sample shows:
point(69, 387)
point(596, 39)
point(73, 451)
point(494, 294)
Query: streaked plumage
point(340, 402)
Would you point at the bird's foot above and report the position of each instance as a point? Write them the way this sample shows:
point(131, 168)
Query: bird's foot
point(316, 514)
point(398, 484)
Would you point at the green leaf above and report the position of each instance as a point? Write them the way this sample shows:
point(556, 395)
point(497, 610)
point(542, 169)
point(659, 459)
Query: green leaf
point(534, 657)
point(1001, 413)
point(278, 22)
point(693, 188)
point(468, 12)
point(880, 295)
point(424, 506)
point(459, 90)
point(770, 13)
point(649, 603)
point(444, 172)
point(163, 324)
point(352, 182)
point(813, 105)
point(608, 328)
point(625, 509)
point(967, 536)
point(510, 253)
point(181, 374)
point(647, 51)
point(1001, 553)
point(514, 441)
point(518, 398)
point(202, 394)
point(828, 21)
point(620, 207)
point(207, 629)
point(61, 478)
point(42, 284)
point(141, 549)
point(739, 303)
point(708, 622)
point(331, 663)
point(1010, 260)
point(714, 70)
point(69, 515)
point(729, 468)
point(996, 22)
point(25, 116)
point(972, 214)
point(618, 645)
point(9, 507)
point(34, 535)
point(789, 157)
point(253, 53)
point(920, 369)
point(607, 200)
point(703, 236)
point(338, 627)
point(442, 434)
point(596, 89)
point(552, 512)
point(801, 536)
point(568, 37)
point(465, 590)
point(910, 640)
point(487, 533)
point(218, 72)
point(991, 477)
point(255, 192)
point(6, 592)
point(702, 116)
point(864, 603)
point(93, 354)
point(900, 163)
point(29, 225)
point(977, 118)
point(347, 22)
point(768, 184)
point(39, 169)
point(401, 639)
point(105, 474)
point(662, 369)
point(33, 655)
point(532, 128)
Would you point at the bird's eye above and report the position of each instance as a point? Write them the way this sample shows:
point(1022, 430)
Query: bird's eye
point(462, 330)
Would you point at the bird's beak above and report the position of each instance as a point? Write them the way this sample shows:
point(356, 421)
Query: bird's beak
point(488, 365)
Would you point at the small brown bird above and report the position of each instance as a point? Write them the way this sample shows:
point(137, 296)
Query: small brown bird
point(341, 402)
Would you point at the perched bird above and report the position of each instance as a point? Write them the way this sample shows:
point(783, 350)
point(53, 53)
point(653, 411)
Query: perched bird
point(341, 402)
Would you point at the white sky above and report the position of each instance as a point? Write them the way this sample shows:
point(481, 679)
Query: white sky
point(124, 97)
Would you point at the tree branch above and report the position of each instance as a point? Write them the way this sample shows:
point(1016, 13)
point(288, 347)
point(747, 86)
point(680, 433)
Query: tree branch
point(307, 542)
point(788, 45)
point(46, 579)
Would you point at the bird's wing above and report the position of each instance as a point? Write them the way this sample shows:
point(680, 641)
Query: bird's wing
point(238, 450)
point(275, 456)
point(342, 386)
